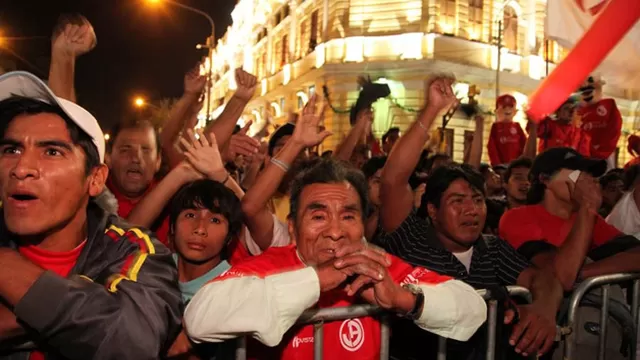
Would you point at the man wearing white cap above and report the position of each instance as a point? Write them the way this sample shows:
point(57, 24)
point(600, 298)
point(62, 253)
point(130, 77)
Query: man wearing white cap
point(75, 281)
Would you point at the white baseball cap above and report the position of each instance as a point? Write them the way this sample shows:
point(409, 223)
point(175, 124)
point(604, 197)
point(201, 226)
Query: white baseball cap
point(22, 83)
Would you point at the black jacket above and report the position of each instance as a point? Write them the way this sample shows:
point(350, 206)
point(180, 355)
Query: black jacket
point(121, 300)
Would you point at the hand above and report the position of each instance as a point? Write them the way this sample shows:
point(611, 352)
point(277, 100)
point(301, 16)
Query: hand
point(247, 84)
point(181, 346)
point(350, 260)
point(203, 155)
point(240, 144)
point(73, 37)
point(194, 83)
point(586, 192)
point(307, 131)
point(534, 333)
point(440, 93)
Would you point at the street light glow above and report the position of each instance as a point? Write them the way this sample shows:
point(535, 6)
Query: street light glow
point(139, 102)
point(107, 137)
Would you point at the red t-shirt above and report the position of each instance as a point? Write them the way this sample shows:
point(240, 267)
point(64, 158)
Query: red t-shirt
point(506, 142)
point(554, 134)
point(60, 263)
point(347, 339)
point(602, 121)
point(125, 205)
point(534, 222)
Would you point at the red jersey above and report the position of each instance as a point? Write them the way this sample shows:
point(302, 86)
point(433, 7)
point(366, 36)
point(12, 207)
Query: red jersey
point(347, 339)
point(552, 134)
point(125, 205)
point(60, 263)
point(506, 142)
point(602, 121)
point(534, 222)
point(631, 163)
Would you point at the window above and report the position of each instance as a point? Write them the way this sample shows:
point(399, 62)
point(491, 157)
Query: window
point(282, 105)
point(448, 16)
point(510, 29)
point(302, 41)
point(313, 34)
point(284, 58)
point(475, 19)
point(447, 138)
point(300, 103)
point(312, 90)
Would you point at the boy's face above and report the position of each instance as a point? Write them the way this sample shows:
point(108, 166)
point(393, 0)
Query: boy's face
point(199, 235)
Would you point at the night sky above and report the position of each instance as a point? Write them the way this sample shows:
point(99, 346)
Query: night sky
point(142, 49)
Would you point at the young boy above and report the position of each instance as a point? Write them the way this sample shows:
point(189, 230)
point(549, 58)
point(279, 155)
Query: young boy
point(204, 216)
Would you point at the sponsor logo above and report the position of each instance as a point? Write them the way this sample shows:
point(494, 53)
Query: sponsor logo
point(351, 334)
point(297, 341)
point(513, 131)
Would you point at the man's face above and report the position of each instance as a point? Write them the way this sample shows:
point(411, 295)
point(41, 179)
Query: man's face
point(134, 160)
point(493, 181)
point(42, 176)
point(565, 113)
point(562, 187)
point(518, 185)
point(199, 234)
point(612, 192)
point(374, 188)
point(506, 112)
point(462, 213)
point(390, 141)
point(329, 217)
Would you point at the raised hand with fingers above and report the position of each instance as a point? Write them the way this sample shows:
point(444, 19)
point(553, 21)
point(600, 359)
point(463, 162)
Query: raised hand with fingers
point(586, 192)
point(73, 36)
point(439, 92)
point(240, 144)
point(194, 83)
point(307, 131)
point(246, 83)
point(203, 155)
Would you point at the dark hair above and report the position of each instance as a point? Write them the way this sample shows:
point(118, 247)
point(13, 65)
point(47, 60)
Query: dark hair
point(373, 165)
point(326, 154)
point(443, 177)
point(499, 167)
point(211, 195)
point(389, 132)
point(133, 124)
point(610, 176)
point(329, 171)
point(630, 176)
point(484, 167)
point(282, 131)
point(428, 165)
point(19, 105)
point(518, 163)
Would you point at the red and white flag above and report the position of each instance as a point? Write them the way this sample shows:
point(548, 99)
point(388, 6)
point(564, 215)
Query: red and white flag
point(568, 20)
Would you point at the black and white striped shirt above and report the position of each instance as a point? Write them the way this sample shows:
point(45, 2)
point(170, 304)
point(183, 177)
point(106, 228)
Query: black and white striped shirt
point(493, 263)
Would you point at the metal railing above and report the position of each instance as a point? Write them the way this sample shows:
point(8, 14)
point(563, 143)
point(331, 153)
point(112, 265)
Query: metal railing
point(318, 317)
point(604, 282)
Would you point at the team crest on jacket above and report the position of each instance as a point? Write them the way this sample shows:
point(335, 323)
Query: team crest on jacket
point(351, 334)
point(513, 131)
point(601, 110)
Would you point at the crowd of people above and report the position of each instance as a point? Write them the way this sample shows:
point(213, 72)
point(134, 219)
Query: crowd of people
point(173, 242)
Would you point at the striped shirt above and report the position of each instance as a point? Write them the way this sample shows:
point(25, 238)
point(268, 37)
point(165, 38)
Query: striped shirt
point(493, 263)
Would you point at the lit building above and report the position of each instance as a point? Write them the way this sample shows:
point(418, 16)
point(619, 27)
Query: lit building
point(295, 47)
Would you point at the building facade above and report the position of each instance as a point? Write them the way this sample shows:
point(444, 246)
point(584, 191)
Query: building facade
point(298, 47)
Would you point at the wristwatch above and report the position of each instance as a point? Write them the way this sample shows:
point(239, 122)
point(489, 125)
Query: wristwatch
point(415, 313)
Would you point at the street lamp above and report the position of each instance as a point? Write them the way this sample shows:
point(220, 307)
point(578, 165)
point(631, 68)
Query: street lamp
point(209, 44)
point(139, 102)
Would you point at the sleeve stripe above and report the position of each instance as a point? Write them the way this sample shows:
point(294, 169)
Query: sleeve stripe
point(132, 265)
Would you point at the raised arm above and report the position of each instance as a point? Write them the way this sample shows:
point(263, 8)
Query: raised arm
point(258, 218)
point(74, 36)
point(223, 126)
point(475, 154)
point(180, 114)
point(395, 194)
point(345, 149)
point(531, 145)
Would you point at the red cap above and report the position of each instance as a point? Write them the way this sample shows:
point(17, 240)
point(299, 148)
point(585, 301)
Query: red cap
point(505, 100)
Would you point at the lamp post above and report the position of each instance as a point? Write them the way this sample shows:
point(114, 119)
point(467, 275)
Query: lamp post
point(209, 44)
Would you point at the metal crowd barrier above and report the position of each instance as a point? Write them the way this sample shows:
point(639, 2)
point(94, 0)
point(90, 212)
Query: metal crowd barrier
point(578, 295)
point(318, 317)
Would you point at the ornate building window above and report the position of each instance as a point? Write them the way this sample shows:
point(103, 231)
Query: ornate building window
point(475, 19)
point(448, 16)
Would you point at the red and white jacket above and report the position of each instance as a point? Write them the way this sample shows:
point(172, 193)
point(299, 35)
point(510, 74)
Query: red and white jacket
point(264, 297)
point(506, 142)
point(602, 121)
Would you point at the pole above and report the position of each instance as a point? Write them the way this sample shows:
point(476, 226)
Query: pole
point(546, 55)
point(499, 58)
